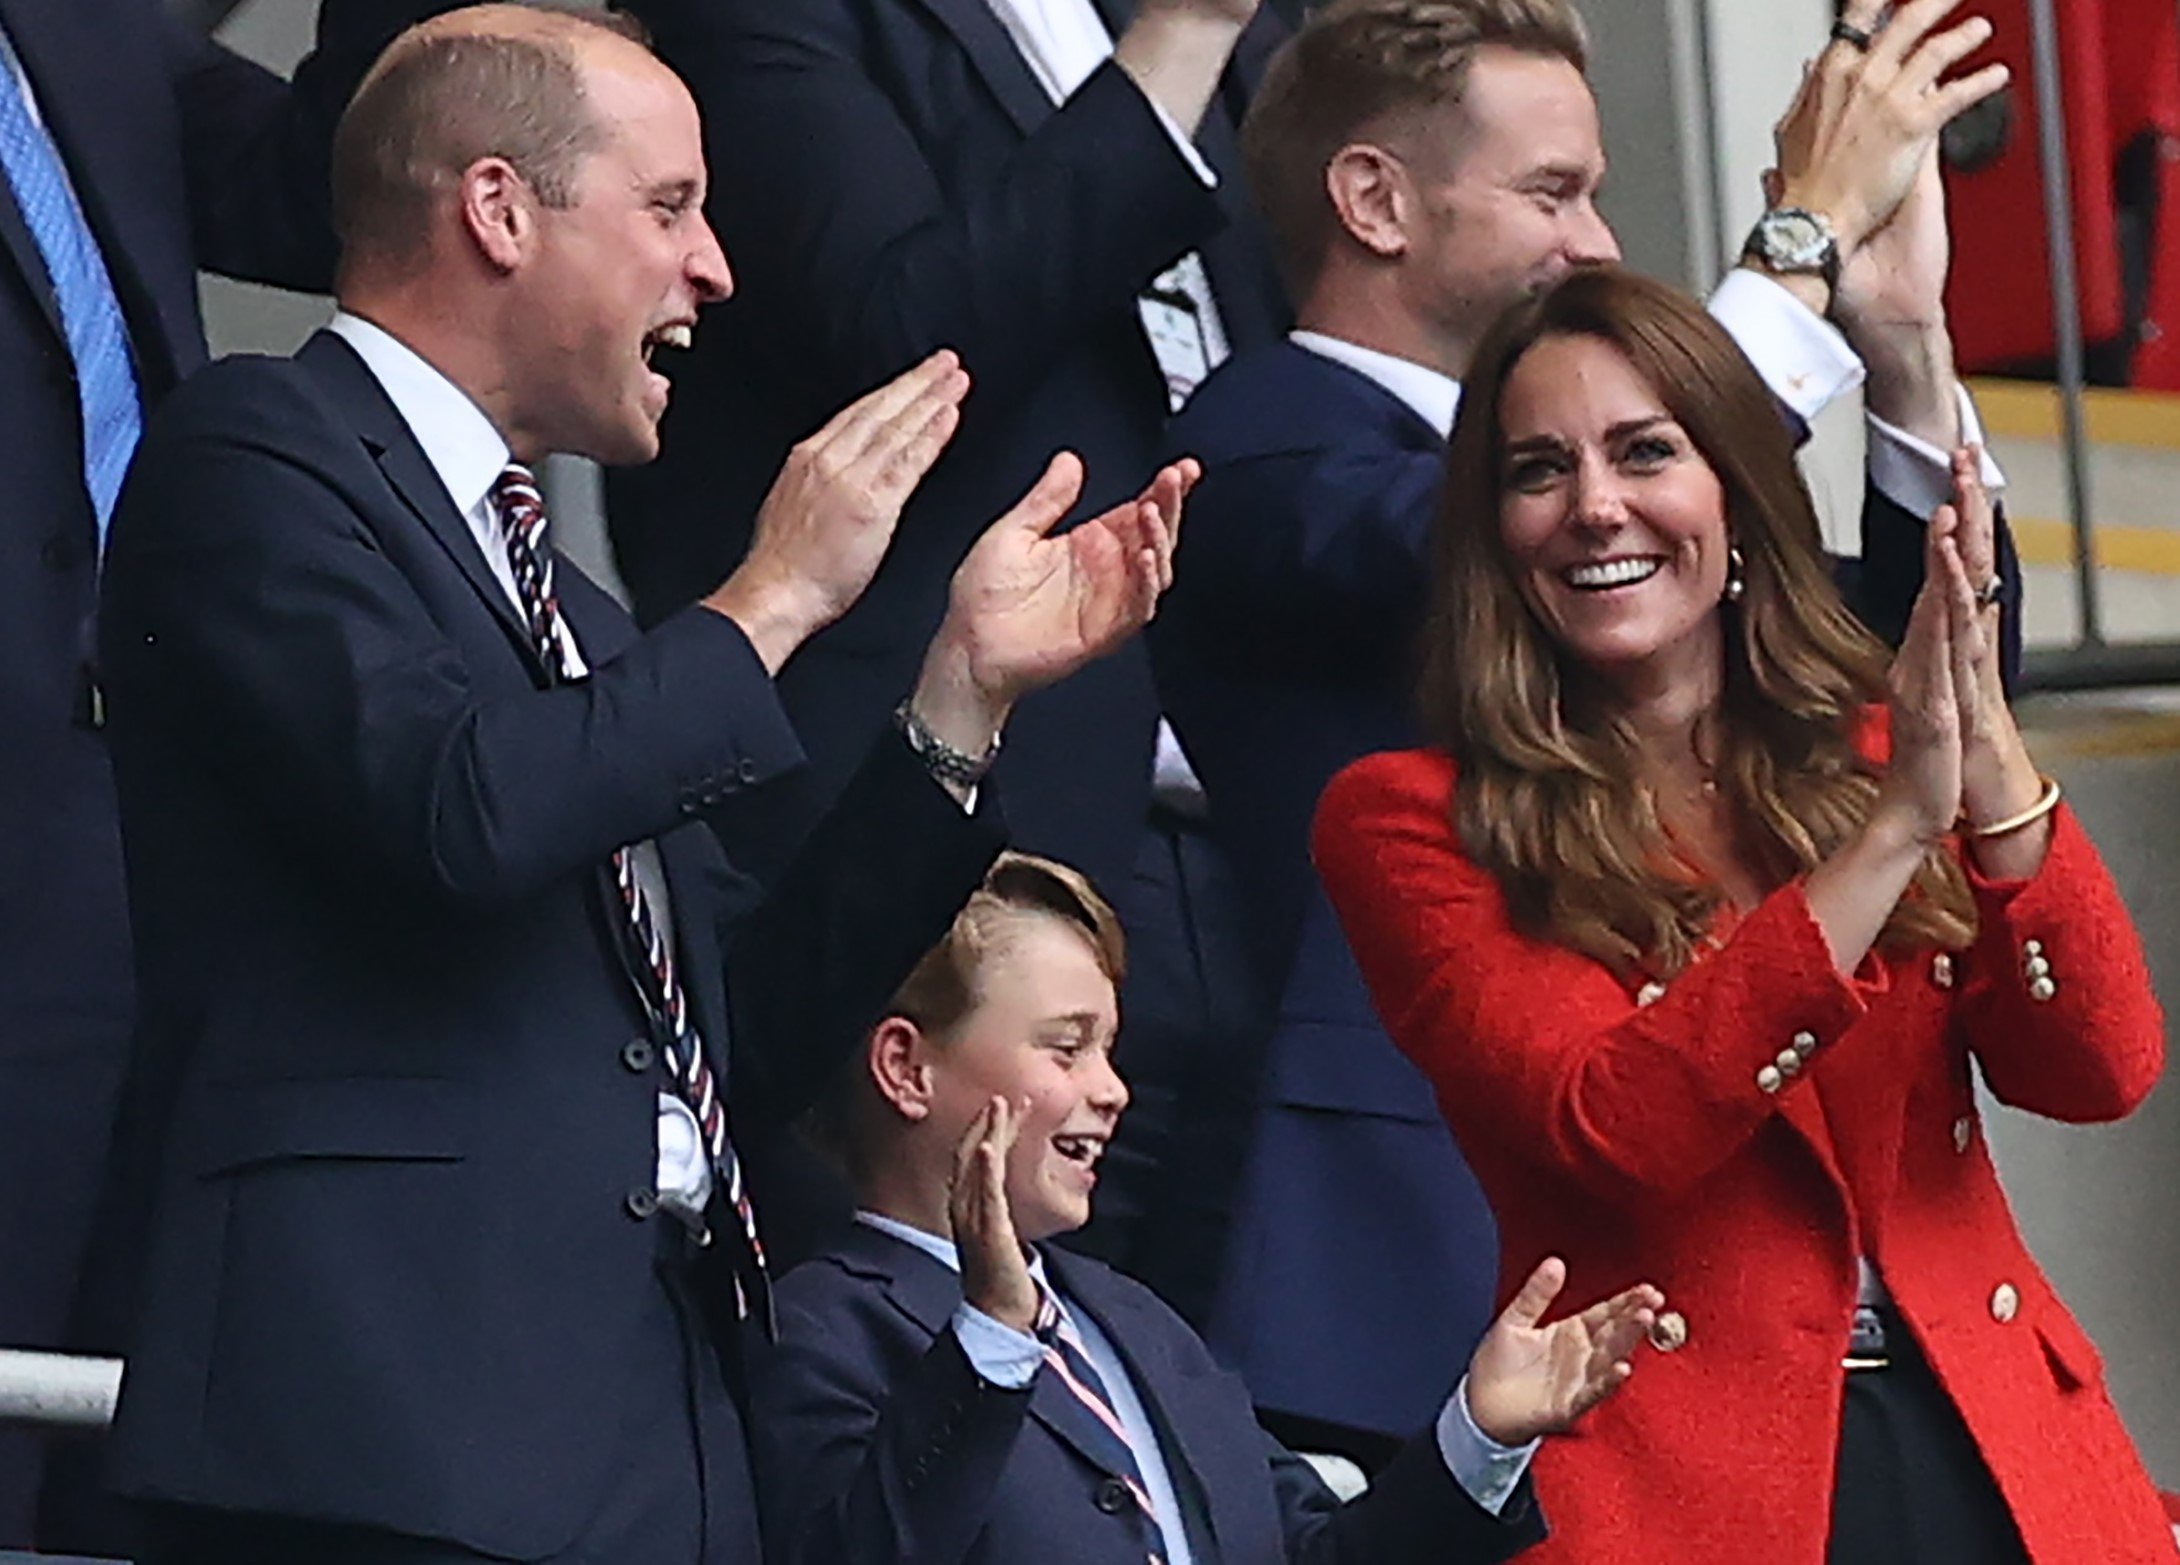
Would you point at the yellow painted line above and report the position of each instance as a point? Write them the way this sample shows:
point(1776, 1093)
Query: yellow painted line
point(2106, 735)
point(2150, 551)
point(2029, 410)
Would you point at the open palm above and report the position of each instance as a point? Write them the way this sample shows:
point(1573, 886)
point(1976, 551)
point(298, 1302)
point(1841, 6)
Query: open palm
point(1528, 1379)
point(1032, 606)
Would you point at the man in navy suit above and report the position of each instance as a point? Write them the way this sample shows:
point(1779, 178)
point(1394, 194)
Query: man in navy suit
point(1420, 167)
point(132, 152)
point(1051, 188)
point(447, 1248)
point(949, 1387)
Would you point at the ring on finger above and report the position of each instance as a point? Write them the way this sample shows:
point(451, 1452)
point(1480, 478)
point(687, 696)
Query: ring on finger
point(1844, 31)
point(1987, 595)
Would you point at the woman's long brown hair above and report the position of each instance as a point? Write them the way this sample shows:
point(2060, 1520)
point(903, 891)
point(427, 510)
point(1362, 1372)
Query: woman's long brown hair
point(1549, 798)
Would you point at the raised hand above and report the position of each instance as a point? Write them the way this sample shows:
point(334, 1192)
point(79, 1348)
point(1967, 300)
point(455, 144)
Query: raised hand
point(1527, 1379)
point(1998, 777)
point(1851, 141)
point(830, 515)
point(1922, 786)
point(994, 1270)
point(1029, 607)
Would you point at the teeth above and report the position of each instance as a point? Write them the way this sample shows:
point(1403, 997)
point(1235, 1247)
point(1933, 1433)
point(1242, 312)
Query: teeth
point(1611, 573)
point(1079, 1149)
point(679, 335)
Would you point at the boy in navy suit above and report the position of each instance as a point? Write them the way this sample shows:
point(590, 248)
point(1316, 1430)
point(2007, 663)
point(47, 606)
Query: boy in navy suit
point(949, 1387)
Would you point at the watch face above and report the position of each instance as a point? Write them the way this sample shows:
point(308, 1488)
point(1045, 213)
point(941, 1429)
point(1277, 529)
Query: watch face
point(1792, 240)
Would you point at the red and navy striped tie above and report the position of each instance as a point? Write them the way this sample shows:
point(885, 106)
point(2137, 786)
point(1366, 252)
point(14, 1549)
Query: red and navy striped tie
point(529, 553)
point(1101, 1431)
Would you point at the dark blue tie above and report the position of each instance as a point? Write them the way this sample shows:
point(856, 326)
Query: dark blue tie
point(98, 338)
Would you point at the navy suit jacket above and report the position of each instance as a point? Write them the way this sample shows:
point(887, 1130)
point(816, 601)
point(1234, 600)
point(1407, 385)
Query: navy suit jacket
point(1285, 651)
point(390, 1132)
point(889, 179)
point(182, 155)
point(877, 1443)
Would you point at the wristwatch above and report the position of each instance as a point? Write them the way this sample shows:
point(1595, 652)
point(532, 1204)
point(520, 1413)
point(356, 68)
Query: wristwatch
point(942, 760)
point(1794, 241)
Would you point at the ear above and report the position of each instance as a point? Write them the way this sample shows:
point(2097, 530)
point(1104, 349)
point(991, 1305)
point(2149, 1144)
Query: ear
point(1371, 194)
point(898, 1060)
point(499, 212)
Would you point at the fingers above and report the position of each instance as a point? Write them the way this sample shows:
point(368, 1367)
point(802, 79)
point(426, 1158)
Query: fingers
point(1050, 498)
point(1620, 1324)
point(1964, 620)
point(1941, 52)
point(1892, 44)
point(1977, 532)
point(1968, 91)
point(940, 376)
point(1536, 1294)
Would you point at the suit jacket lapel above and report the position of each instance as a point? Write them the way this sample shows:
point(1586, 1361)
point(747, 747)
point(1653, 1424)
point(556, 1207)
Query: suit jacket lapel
point(1196, 1448)
point(410, 472)
point(996, 59)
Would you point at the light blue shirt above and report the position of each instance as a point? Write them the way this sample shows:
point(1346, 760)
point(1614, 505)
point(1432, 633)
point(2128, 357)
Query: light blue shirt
point(1001, 1356)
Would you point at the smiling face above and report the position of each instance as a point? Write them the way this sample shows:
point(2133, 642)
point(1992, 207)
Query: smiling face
point(1612, 521)
point(1515, 208)
point(1041, 1031)
point(622, 271)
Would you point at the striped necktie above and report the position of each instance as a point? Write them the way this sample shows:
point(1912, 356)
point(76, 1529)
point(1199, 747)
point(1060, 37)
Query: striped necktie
point(1102, 1430)
point(521, 512)
point(91, 320)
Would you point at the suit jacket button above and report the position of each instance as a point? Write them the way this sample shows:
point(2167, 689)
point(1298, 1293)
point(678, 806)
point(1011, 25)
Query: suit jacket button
point(638, 1055)
point(642, 1202)
point(1770, 1078)
point(1111, 1497)
point(2005, 1303)
point(746, 769)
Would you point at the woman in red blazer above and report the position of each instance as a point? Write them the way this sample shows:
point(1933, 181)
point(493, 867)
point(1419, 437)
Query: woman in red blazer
point(1697, 940)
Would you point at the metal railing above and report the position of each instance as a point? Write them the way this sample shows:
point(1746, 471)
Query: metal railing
point(58, 1391)
point(2091, 662)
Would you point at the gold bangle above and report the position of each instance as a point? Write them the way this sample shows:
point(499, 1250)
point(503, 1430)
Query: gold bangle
point(2046, 802)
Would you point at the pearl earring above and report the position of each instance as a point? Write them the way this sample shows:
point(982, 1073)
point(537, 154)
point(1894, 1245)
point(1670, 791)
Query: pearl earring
point(1736, 580)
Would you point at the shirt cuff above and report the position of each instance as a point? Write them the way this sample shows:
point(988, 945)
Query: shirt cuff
point(1801, 355)
point(1204, 171)
point(1488, 1471)
point(1000, 1355)
point(1914, 474)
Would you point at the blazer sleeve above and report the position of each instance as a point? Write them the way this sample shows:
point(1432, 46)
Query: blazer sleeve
point(1622, 1099)
point(1310, 556)
point(248, 599)
point(859, 1468)
point(873, 888)
point(2056, 995)
point(256, 150)
point(830, 203)
point(1413, 1513)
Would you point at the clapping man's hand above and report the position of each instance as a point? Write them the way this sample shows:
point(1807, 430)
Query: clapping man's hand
point(830, 515)
point(1028, 606)
point(1528, 1379)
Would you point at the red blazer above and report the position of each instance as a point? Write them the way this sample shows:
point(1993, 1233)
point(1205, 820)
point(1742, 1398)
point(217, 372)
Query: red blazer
point(1645, 1131)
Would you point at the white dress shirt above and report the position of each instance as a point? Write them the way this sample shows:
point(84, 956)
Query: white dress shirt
point(1800, 355)
point(469, 455)
point(1001, 1356)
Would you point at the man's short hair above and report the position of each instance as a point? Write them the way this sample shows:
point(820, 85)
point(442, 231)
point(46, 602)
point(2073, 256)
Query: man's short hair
point(1357, 64)
point(437, 103)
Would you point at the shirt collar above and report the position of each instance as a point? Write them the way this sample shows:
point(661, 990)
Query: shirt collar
point(1434, 397)
point(940, 1250)
point(461, 444)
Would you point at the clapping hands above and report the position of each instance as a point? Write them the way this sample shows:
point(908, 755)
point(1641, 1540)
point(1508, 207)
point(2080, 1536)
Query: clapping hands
point(1956, 752)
